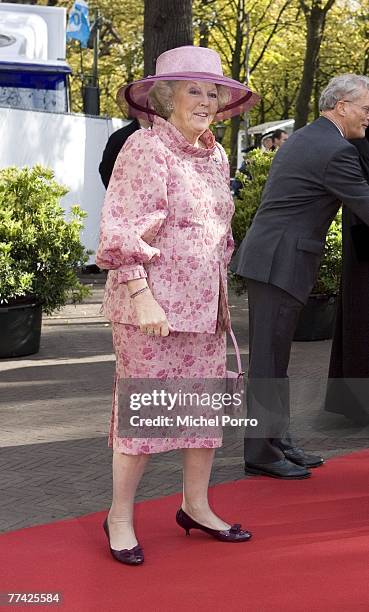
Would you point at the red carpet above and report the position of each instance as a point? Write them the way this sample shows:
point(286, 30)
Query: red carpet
point(310, 552)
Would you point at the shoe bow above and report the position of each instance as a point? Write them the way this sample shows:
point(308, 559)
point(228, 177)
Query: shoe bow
point(236, 528)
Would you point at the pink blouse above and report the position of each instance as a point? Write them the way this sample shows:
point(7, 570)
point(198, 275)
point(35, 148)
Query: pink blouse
point(166, 216)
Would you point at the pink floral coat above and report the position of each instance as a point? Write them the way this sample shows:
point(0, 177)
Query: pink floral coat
point(166, 216)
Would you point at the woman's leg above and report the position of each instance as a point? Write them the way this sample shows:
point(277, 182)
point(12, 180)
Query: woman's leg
point(127, 473)
point(197, 464)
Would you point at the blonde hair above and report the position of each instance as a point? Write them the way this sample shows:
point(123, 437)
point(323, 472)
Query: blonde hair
point(161, 97)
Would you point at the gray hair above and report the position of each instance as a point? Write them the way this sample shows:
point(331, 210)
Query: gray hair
point(161, 97)
point(342, 87)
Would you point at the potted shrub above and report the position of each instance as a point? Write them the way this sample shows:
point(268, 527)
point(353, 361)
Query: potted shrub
point(316, 320)
point(40, 253)
point(317, 317)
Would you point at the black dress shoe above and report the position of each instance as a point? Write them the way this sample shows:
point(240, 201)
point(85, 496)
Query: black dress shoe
point(299, 457)
point(278, 469)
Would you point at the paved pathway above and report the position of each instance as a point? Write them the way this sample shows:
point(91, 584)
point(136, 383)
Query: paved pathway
point(55, 408)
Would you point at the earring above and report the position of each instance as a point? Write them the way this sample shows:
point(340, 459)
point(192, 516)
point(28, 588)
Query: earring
point(169, 108)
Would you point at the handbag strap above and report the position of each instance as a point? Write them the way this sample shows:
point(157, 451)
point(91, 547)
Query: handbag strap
point(237, 351)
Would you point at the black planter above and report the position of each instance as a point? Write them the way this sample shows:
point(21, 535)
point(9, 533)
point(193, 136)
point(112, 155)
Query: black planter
point(20, 329)
point(316, 321)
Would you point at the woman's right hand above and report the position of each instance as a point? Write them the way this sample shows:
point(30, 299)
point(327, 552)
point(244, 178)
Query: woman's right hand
point(150, 315)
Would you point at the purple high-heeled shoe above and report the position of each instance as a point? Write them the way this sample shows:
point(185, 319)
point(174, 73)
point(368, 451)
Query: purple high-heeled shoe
point(131, 556)
point(234, 534)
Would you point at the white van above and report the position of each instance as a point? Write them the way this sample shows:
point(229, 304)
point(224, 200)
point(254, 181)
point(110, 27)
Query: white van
point(33, 70)
point(36, 126)
point(257, 132)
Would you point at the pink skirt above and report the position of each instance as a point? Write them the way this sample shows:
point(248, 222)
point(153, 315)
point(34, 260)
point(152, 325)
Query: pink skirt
point(180, 355)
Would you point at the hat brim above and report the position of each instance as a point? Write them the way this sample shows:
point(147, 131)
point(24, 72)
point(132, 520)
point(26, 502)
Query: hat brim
point(134, 97)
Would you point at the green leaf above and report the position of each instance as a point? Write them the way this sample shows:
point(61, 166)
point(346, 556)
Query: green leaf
point(40, 249)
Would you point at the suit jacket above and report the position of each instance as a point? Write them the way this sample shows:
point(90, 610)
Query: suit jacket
point(112, 149)
point(358, 230)
point(349, 356)
point(314, 171)
point(167, 216)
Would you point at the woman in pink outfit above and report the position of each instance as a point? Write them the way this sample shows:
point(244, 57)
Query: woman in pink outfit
point(166, 239)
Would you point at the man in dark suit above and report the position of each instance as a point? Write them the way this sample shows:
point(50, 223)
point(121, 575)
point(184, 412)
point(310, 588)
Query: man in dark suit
point(349, 361)
point(314, 171)
point(111, 151)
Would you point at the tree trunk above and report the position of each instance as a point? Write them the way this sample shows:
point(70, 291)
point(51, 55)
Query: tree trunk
point(366, 55)
point(261, 109)
point(204, 25)
point(315, 22)
point(167, 24)
point(316, 91)
point(235, 127)
point(204, 34)
point(314, 38)
point(285, 98)
point(236, 74)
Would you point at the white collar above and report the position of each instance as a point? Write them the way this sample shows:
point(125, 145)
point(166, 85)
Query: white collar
point(337, 126)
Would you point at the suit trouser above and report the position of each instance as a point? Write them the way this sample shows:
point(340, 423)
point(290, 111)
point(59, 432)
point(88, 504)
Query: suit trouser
point(273, 317)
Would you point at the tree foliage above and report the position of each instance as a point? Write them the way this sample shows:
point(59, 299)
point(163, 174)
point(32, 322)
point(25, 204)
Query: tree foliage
point(265, 42)
point(315, 14)
point(120, 56)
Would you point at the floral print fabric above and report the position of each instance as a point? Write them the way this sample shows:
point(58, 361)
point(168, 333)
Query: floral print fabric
point(167, 216)
point(179, 355)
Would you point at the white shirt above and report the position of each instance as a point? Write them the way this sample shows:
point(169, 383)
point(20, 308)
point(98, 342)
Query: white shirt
point(337, 126)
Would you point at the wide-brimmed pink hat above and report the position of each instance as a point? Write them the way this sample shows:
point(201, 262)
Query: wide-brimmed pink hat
point(187, 64)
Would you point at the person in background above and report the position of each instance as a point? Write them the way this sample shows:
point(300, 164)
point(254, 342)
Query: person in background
point(236, 184)
point(279, 137)
point(267, 142)
point(166, 240)
point(112, 149)
point(347, 389)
